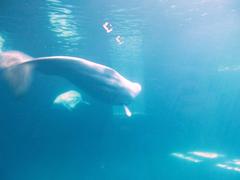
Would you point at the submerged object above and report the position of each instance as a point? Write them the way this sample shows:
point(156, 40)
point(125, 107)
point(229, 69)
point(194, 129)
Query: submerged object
point(99, 81)
point(208, 155)
point(119, 40)
point(69, 99)
point(218, 160)
point(232, 165)
point(197, 156)
point(186, 157)
point(127, 111)
point(108, 27)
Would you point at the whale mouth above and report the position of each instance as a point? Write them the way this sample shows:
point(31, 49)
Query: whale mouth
point(138, 87)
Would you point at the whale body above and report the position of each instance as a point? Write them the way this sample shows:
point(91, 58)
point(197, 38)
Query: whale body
point(97, 80)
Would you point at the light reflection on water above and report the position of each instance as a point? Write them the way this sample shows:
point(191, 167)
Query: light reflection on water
point(63, 23)
point(214, 159)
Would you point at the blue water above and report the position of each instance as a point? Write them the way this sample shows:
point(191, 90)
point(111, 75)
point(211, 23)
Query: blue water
point(184, 53)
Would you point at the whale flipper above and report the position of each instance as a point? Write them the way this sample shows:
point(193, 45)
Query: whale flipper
point(18, 77)
point(127, 111)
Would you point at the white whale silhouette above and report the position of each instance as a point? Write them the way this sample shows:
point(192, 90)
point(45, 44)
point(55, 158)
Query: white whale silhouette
point(99, 81)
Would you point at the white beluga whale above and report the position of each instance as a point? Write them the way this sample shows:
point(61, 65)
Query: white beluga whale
point(97, 80)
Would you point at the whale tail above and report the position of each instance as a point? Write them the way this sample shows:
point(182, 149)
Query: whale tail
point(15, 70)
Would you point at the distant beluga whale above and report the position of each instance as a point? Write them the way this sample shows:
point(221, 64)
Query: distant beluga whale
point(97, 80)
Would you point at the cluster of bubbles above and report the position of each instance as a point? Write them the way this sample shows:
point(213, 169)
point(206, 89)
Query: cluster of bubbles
point(109, 28)
point(220, 160)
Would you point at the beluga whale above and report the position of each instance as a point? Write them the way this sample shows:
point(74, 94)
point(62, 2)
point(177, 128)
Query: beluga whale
point(97, 80)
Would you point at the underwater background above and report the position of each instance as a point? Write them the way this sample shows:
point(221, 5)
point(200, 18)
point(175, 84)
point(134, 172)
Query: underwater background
point(185, 122)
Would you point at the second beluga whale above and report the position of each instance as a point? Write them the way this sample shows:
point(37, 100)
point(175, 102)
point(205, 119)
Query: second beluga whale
point(97, 80)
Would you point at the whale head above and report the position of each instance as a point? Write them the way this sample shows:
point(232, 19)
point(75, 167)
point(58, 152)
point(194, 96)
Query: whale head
point(130, 90)
point(136, 88)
